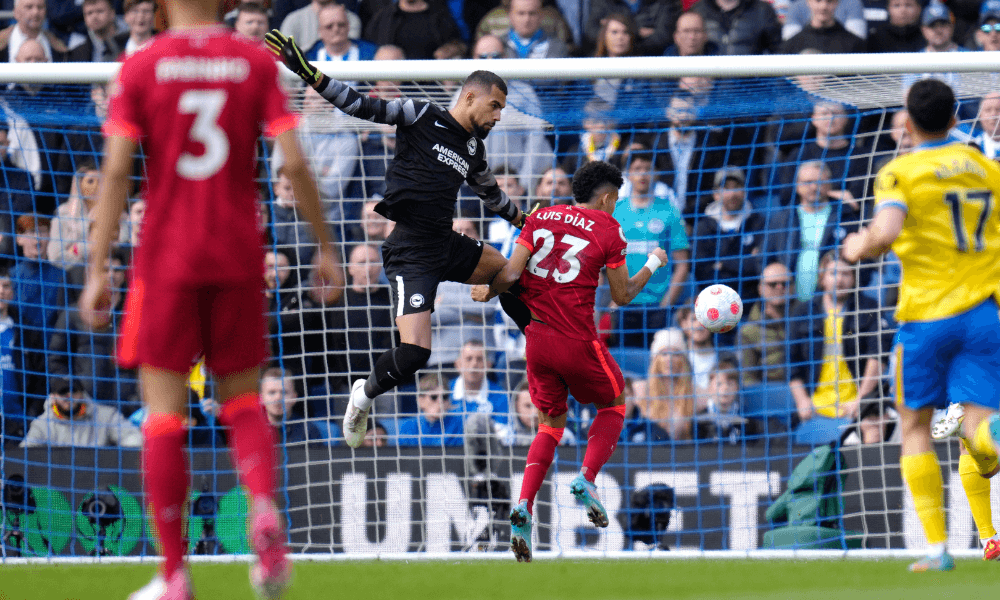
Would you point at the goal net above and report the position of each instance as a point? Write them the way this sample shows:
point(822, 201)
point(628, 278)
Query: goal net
point(747, 170)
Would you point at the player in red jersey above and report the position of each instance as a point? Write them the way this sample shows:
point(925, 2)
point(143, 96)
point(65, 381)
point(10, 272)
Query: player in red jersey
point(197, 98)
point(564, 249)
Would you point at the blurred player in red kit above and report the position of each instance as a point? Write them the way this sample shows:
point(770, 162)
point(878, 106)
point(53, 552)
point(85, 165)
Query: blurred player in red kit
point(197, 98)
point(564, 248)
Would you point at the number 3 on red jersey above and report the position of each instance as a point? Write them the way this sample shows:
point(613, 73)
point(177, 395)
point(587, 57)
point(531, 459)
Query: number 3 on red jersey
point(206, 106)
point(548, 242)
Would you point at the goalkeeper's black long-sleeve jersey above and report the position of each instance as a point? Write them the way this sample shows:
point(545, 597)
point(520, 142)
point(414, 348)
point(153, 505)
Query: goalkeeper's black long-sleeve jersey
point(434, 155)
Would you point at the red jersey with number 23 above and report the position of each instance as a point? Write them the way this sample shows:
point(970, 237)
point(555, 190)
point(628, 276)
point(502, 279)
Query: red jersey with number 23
point(198, 100)
point(569, 245)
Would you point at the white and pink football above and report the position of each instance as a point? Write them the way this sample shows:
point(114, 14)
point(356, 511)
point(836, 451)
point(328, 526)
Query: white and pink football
point(719, 308)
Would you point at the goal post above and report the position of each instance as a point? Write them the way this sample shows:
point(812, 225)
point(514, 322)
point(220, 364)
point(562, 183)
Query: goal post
point(699, 469)
point(767, 65)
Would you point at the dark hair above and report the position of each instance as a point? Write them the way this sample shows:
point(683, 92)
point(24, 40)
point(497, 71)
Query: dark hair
point(931, 105)
point(726, 364)
point(640, 154)
point(683, 312)
point(108, 2)
point(828, 257)
point(288, 251)
point(250, 8)
point(84, 165)
point(474, 343)
point(451, 50)
point(60, 386)
point(486, 80)
point(66, 387)
point(473, 218)
point(505, 170)
point(130, 4)
point(591, 177)
point(620, 17)
point(120, 254)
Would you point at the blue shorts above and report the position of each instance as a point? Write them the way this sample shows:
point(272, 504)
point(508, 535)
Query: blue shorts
point(950, 360)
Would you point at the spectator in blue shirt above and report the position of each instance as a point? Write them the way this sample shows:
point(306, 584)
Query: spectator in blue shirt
point(39, 295)
point(433, 426)
point(11, 402)
point(472, 392)
point(334, 41)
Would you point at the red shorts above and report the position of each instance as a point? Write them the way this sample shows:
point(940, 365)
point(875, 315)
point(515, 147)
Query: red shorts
point(169, 327)
point(557, 364)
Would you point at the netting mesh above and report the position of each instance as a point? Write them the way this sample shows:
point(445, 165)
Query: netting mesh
point(733, 441)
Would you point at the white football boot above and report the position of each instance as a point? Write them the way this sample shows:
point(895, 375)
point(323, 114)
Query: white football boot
point(355, 419)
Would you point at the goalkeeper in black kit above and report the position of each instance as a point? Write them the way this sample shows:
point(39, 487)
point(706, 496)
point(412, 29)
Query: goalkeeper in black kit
point(436, 150)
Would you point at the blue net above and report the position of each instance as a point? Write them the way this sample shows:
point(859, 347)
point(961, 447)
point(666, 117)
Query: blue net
point(739, 440)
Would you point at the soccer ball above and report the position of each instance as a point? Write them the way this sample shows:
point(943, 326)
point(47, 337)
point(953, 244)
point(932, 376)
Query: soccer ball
point(719, 308)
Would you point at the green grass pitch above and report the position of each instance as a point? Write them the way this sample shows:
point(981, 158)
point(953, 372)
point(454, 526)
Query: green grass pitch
point(841, 579)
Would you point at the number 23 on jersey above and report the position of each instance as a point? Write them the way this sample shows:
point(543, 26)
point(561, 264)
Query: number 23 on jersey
point(545, 241)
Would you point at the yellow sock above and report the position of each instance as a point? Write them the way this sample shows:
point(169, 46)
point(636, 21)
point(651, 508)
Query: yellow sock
point(977, 490)
point(923, 475)
point(981, 443)
point(986, 462)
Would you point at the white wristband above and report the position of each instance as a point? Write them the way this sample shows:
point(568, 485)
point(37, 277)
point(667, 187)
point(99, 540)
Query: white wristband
point(653, 263)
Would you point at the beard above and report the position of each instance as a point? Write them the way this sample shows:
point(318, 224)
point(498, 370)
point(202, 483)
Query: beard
point(479, 131)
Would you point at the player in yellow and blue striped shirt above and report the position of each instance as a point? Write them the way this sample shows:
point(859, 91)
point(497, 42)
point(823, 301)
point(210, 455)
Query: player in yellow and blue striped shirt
point(935, 208)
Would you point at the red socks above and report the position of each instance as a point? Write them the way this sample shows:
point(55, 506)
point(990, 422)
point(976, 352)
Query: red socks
point(166, 475)
point(251, 442)
point(603, 439)
point(604, 433)
point(543, 448)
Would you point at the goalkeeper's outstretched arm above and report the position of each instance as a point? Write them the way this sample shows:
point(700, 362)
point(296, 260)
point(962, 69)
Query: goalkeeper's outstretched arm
point(400, 111)
point(485, 185)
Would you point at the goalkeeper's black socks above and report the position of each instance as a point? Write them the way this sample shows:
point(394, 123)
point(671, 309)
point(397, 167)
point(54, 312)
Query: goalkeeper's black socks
point(395, 366)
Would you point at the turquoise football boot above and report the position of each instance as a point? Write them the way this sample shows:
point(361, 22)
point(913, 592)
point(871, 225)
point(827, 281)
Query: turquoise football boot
point(520, 532)
point(586, 493)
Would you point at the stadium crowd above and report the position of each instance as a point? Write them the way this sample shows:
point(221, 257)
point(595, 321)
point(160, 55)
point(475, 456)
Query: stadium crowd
point(759, 203)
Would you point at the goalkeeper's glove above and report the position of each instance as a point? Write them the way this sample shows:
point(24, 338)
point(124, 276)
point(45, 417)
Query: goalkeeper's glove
point(524, 215)
point(285, 48)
